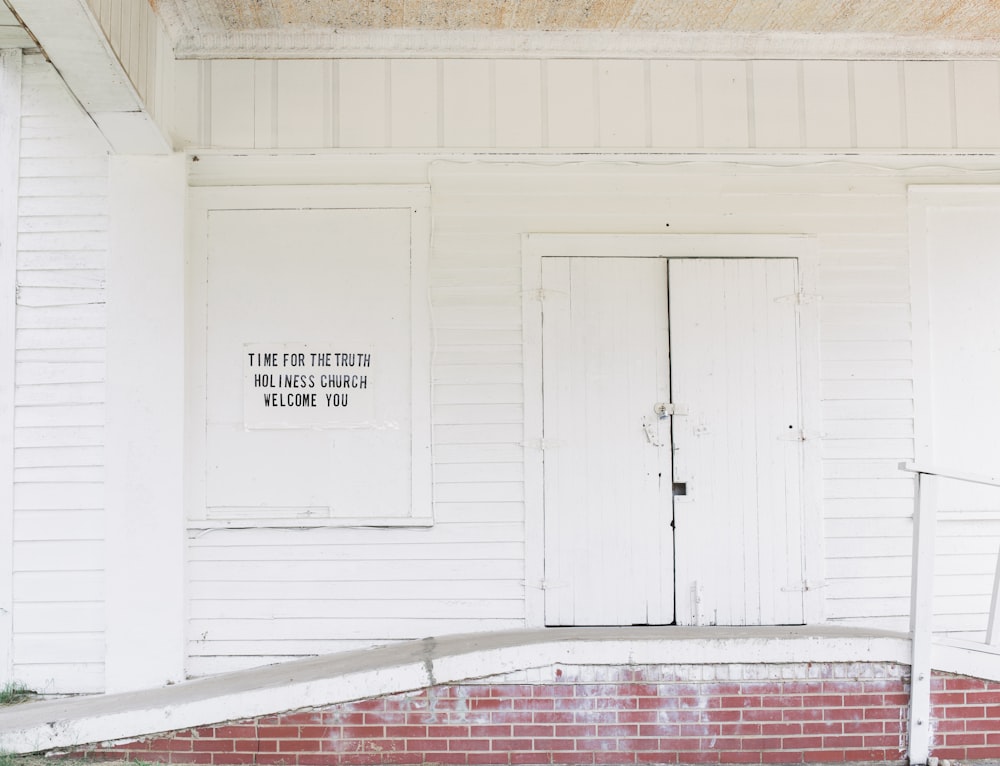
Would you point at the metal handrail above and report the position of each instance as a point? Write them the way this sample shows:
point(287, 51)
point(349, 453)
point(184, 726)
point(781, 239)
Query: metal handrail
point(972, 478)
point(922, 599)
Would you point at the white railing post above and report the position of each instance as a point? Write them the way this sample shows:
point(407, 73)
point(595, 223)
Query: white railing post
point(993, 624)
point(921, 618)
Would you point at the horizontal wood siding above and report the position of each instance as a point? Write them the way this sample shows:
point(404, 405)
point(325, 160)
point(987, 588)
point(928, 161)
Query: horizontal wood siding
point(582, 104)
point(261, 595)
point(59, 374)
point(859, 216)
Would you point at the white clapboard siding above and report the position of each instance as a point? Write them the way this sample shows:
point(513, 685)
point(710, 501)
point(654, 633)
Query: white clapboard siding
point(859, 219)
point(263, 593)
point(59, 551)
point(574, 104)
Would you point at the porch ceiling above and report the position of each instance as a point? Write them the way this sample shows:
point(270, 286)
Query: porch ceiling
point(203, 27)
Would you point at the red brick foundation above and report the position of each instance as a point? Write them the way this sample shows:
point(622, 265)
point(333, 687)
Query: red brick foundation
point(965, 714)
point(832, 713)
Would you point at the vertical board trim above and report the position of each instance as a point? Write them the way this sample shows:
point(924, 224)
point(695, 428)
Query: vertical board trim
point(10, 132)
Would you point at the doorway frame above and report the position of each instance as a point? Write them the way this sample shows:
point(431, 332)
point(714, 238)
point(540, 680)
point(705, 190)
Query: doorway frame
point(801, 247)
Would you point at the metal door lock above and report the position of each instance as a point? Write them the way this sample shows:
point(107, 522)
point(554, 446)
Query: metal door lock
point(663, 410)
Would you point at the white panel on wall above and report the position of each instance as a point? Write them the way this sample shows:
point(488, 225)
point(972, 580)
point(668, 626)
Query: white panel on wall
point(414, 97)
point(571, 103)
point(962, 271)
point(777, 111)
point(303, 89)
point(468, 99)
point(264, 113)
point(977, 103)
point(232, 115)
point(724, 104)
point(310, 439)
point(363, 114)
point(878, 103)
point(929, 104)
point(675, 109)
point(518, 110)
point(188, 115)
point(622, 93)
point(828, 108)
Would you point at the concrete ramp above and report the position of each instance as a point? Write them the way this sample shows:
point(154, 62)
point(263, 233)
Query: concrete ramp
point(364, 674)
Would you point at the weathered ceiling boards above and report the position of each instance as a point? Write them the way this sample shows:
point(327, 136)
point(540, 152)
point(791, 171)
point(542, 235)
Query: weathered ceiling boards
point(780, 28)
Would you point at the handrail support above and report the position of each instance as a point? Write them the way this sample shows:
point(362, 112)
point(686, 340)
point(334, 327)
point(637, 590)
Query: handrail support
point(921, 618)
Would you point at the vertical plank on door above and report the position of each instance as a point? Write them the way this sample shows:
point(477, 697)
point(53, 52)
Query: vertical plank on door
point(735, 368)
point(608, 545)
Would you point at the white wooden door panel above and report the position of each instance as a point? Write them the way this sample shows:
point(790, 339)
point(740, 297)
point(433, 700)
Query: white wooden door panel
point(608, 537)
point(738, 449)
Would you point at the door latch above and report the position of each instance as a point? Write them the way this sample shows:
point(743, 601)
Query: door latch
point(651, 436)
point(662, 410)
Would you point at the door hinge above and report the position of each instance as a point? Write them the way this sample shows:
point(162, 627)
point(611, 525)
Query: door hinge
point(797, 435)
point(804, 587)
point(799, 299)
point(542, 444)
point(543, 294)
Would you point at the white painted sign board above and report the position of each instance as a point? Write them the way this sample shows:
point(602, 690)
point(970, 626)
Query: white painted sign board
point(308, 385)
point(291, 295)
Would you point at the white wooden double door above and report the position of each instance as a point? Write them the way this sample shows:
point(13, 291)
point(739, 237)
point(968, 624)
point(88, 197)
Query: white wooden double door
point(693, 517)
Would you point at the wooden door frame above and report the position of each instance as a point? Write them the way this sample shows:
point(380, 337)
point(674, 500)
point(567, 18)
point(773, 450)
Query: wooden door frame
point(803, 248)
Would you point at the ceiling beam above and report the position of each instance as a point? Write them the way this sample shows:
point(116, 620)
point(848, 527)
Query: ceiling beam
point(73, 42)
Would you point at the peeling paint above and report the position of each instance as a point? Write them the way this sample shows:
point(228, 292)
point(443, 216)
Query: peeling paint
point(955, 19)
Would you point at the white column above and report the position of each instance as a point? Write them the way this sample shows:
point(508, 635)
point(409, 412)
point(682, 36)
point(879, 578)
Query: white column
point(145, 417)
point(10, 131)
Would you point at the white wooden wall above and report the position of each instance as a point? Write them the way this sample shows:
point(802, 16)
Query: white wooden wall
point(259, 595)
point(575, 104)
point(262, 595)
point(58, 552)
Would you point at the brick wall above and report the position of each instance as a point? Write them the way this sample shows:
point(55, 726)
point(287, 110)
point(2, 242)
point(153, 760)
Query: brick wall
point(831, 713)
point(966, 717)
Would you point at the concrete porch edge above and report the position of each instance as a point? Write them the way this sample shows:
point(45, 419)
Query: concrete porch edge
point(413, 665)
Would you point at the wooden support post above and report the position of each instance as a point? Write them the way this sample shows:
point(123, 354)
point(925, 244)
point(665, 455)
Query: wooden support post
point(921, 618)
